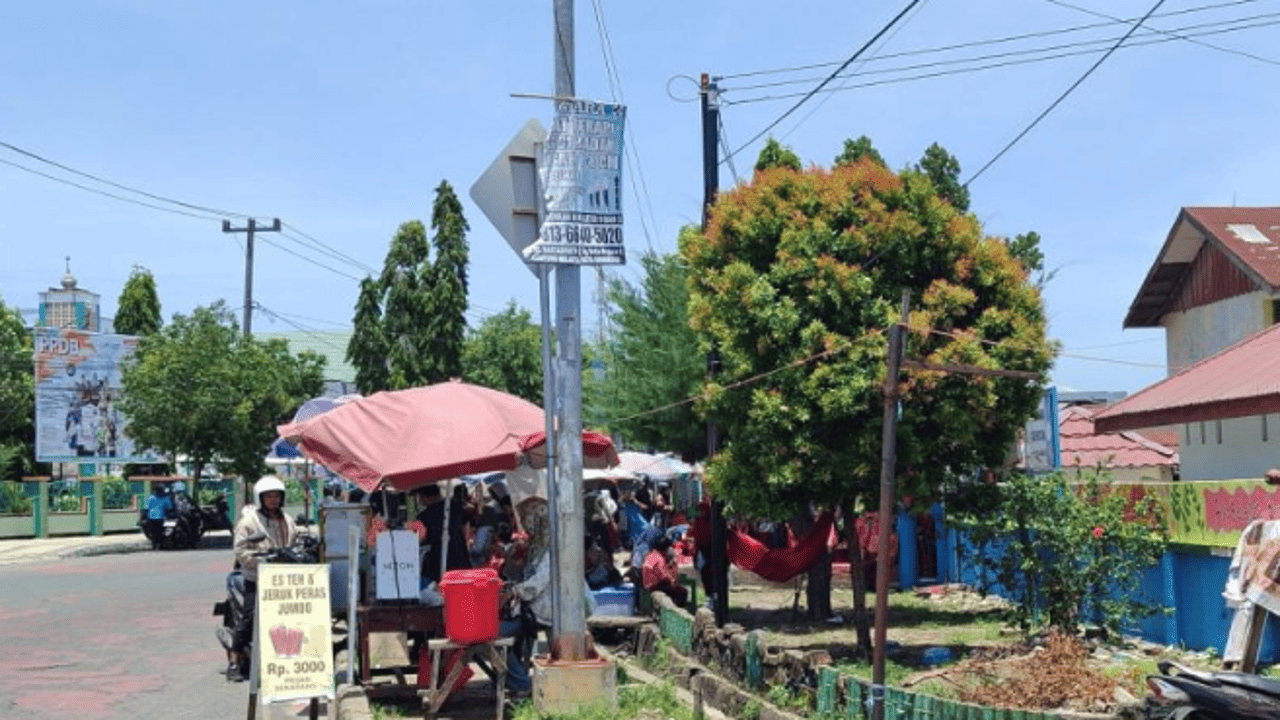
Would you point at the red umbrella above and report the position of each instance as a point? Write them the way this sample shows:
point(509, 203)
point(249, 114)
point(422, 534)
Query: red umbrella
point(597, 450)
point(417, 436)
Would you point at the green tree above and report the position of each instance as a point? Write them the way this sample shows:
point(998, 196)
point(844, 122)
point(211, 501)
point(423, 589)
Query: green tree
point(406, 319)
point(198, 389)
point(367, 348)
point(776, 155)
point(1025, 248)
point(505, 353)
point(138, 310)
point(448, 288)
point(653, 361)
point(943, 170)
point(796, 280)
point(17, 396)
point(414, 315)
point(855, 150)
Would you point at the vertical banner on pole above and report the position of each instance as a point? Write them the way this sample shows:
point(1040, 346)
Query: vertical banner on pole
point(581, 173)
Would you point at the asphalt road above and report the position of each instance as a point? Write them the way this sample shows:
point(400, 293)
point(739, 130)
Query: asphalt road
point(118, 636)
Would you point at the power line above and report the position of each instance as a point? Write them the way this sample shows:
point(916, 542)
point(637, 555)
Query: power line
point(327, 342)
point(1064, 95)
point(990, 41)
point(104, 193)
point(1174, 34)
point(1086, 47)
point(634, 170)
point(331, 251)
point(827, 96)
point(830, 77)
point(180, 207)
point(119, 186)
point(300, 256)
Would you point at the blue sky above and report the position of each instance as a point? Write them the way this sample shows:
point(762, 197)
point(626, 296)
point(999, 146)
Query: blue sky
point(342, 118)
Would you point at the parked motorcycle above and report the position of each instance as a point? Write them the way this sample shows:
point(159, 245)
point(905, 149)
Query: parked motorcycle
point(180, 529)
point(1190, 694)
point(304, 551)
point(216, 516)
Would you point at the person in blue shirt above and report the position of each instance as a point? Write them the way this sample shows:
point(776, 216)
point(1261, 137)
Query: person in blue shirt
point(159, 506)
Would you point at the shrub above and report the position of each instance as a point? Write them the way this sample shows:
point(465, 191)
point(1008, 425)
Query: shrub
point(13, 501)
point(115, 493)
point(1065, 554)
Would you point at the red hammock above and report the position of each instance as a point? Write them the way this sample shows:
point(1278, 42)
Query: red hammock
point(780, 564)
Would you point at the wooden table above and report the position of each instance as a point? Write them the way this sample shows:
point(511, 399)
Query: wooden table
point(494, 651)
point(394, 618)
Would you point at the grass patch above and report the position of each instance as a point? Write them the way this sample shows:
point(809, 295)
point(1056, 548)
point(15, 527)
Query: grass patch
point(656, 700)
point(894, 672)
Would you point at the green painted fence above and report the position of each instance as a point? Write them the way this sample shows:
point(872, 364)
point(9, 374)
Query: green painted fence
point(838, 695)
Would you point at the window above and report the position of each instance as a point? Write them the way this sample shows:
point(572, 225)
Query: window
point(1264, 427)
point(1202, 432)
point(1217, 430)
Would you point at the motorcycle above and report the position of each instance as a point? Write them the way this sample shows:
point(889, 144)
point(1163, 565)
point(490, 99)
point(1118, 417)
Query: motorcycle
point(216, 516)
point(1190, 694)
point(180, 529)
point(234, 610)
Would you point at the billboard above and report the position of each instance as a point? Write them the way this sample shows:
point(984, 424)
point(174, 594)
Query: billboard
point(77, 376)
point(580, 169)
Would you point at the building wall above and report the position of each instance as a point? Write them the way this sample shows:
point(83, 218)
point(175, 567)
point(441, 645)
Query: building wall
point(1149, 473)
point(1225, 449)
point(1199, 332)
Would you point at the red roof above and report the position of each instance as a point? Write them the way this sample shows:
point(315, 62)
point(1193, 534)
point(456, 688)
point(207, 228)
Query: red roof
point(1239, 381)
point(1249, 237)
point(1081, 444)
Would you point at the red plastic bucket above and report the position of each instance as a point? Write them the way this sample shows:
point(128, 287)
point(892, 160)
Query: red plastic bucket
point(471, 605)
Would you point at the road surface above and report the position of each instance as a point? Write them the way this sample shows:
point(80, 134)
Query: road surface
point(118, 637)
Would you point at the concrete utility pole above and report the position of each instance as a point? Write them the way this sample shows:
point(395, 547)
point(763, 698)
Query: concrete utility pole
point(570, 626)
point(249, 230)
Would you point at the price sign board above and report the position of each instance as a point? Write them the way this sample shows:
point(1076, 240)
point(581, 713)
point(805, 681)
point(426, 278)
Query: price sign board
point(580, 169)
point(294, 643)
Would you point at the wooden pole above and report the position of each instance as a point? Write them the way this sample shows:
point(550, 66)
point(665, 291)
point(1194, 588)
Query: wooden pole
point(888, 461)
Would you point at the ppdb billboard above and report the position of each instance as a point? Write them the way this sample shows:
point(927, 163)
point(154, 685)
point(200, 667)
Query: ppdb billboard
point(78, 390)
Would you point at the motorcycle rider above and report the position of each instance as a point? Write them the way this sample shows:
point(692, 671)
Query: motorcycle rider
point(159, 506)
point(277, 530)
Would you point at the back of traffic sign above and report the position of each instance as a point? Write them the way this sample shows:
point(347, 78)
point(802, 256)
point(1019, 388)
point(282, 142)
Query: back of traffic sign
point(508, 193)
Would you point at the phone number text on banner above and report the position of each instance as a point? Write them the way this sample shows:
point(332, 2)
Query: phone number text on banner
point(580, 169)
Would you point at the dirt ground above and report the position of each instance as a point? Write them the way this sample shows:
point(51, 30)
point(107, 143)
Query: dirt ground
point(985, 663)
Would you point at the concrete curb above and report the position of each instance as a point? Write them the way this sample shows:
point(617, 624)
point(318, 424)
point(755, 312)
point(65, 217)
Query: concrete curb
point(645, 677)
point(352, 703)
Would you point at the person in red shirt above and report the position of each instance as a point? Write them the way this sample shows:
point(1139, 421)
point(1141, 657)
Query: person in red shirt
point(659, 572)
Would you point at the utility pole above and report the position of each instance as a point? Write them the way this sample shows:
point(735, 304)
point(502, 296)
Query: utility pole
point(570, 627)
point(249, 230)
point(719, 589)
point(888, 463)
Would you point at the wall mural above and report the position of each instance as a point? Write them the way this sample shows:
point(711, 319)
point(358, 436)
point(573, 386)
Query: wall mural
point(1209, 512)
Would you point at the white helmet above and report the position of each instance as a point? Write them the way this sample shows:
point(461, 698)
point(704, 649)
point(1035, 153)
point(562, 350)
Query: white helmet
point(266, 484)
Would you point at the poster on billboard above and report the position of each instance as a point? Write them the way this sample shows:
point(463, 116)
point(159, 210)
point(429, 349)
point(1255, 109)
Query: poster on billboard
point(580, 169)
point(77, 376)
